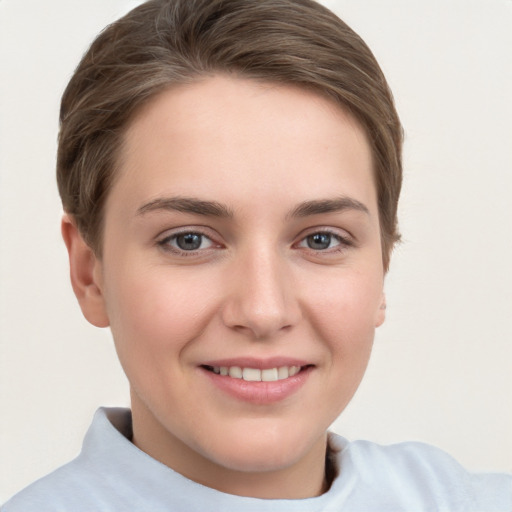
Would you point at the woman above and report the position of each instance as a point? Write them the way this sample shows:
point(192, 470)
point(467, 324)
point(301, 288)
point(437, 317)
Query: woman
point(230, 174)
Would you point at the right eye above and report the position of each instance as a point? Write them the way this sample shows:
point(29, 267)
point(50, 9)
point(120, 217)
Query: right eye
point(188, 241)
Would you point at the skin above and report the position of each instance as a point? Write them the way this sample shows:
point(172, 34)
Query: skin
point(254, 287)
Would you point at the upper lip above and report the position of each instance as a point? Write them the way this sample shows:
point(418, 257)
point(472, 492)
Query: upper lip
point(261, 364)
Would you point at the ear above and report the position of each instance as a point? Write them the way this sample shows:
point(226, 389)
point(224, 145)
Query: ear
point(381, 312)
point(86, 274)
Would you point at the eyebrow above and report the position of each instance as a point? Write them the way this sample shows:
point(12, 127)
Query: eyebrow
point(335, 205)
point(186, 205)
point(215, 209)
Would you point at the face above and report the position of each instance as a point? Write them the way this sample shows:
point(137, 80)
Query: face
point(241, 274)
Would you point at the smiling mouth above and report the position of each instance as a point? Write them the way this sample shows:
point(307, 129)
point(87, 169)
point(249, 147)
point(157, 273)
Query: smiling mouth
point(255, 374)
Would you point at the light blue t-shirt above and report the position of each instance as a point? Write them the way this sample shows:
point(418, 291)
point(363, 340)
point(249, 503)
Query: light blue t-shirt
point(113, 475)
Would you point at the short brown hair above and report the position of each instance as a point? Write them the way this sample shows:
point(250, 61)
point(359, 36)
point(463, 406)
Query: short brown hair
point(166, 42)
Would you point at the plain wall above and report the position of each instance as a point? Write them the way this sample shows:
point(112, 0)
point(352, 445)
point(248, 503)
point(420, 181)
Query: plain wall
point(441, 368)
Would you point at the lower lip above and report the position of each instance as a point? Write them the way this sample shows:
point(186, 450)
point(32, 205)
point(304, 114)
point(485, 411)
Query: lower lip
point(261, 393)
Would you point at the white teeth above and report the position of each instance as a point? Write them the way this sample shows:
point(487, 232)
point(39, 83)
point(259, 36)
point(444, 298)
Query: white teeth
point(235, 372)
point(283, 373)
point(255, 374)
point(294, 370)
point(269, 375)
point(251, 374)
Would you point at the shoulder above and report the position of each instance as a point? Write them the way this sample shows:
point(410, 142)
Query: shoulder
point(82, 484)
point(67, 488)
point(420, 473)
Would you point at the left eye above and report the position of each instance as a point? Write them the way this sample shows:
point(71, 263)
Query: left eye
point(320, 241)
point(187, 241)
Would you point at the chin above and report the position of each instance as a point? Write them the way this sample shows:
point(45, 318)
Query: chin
point(265, 449)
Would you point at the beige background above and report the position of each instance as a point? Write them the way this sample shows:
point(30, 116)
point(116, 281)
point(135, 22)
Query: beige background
point(442, 365)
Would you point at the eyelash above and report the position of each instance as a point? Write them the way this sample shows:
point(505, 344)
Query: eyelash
point(165, 243)
point(344, 242)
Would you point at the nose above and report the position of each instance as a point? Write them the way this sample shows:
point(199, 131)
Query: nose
point(262, 299)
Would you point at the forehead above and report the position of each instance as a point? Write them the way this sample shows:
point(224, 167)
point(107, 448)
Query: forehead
point(252, 136)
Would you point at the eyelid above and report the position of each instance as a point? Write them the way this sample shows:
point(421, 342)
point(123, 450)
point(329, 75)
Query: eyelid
point(169, 234)
point(338, 232)
point(345, 238)
point(180, 230)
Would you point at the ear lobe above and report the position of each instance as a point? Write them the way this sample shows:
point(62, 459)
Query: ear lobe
point(381, 312)
point(85, 274)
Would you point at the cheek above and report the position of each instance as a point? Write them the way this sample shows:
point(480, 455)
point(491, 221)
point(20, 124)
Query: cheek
point(154, 314)
point(343, 314)
point(346, 305)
